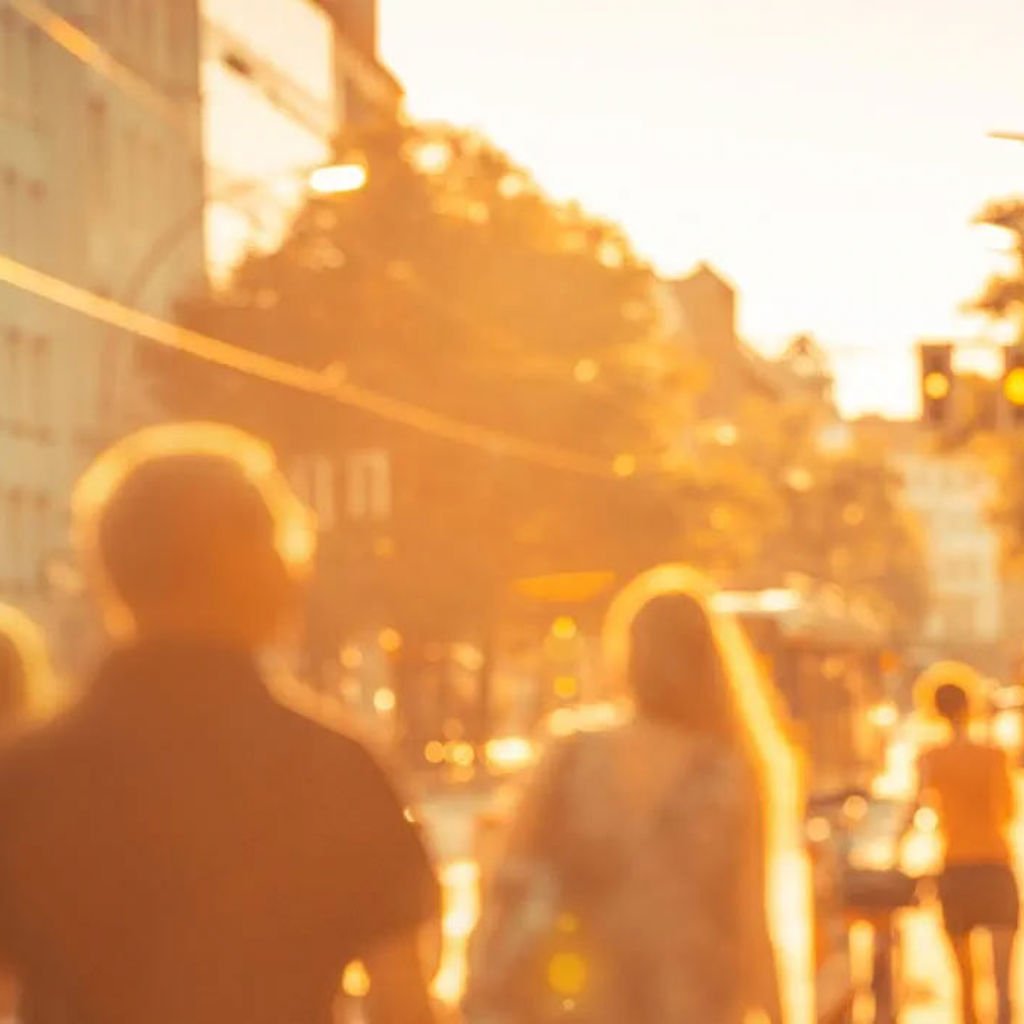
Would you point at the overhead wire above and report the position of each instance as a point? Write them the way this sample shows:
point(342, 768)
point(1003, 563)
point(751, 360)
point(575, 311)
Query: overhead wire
point(91, 53)
point(84, 48)
point(323, 384)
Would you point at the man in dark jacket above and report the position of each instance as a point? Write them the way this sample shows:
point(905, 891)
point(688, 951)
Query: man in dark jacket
point(183, 846)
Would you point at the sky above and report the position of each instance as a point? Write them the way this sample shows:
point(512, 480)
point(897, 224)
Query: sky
point(826, 156)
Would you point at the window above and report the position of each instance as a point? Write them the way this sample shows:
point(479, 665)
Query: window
point(11, 234)
point(98, 165)
point(41, 510)
point(134, 192)
point(35, 229)
point(16, 536)
point(8, 200)
point(8, 42)
point(40, 395)
point(34, 76)
point(15, 381)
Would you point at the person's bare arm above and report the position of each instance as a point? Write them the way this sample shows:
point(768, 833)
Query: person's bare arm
point(398, 982)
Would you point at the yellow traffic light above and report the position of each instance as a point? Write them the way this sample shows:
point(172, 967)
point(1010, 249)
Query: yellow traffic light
point(1013, 386)
point(937, 386)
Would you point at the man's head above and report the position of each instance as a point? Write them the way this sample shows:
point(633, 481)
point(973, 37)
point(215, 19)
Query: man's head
point(952, 703)
point(191, 529)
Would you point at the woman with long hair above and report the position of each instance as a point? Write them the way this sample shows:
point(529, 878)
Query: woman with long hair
point(653, 836)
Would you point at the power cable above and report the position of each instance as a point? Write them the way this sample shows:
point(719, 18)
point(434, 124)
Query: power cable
point(323, 384)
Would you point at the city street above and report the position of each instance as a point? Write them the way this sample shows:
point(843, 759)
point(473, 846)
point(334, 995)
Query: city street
point(927, 992)
point(476, 375)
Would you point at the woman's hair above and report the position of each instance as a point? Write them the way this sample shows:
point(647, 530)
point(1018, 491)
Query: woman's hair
point(686, 662)
point(682, 661)
point(674, 670)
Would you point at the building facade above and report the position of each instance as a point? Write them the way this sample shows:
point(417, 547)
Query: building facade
point(952, 499)
point(135, 175)
point(92, 165)
point(285, 84)
point(951, 496)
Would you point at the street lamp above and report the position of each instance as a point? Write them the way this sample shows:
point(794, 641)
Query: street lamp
point(338, 179)
point(332, 179)
point(322, 180)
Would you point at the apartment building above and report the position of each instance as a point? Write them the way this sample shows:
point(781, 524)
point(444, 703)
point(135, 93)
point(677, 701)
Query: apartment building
point(92, 165)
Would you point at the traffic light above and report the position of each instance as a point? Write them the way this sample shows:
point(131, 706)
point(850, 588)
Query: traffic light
point(937, 382)
point(1013, 385)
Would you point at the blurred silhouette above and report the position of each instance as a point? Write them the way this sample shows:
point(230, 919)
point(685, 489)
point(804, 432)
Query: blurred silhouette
point(971, 786)
point(26, 683)
point(634, 883)
point(26, 691)
point(185, 844)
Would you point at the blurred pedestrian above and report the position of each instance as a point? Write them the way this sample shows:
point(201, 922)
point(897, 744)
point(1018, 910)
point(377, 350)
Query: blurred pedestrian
point(26, 693)
point(27, 690)
point(634, 884)
point(184, 844)
point(970, 784)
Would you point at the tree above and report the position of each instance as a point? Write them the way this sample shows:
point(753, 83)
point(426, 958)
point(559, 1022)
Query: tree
point(839, 518)
point(1002, 300)
point(1002, 297)
point(454, 284)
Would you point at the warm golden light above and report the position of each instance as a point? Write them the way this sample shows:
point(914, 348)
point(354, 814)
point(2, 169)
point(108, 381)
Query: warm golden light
point(390, 641)
point(624, 465)
point(384, 701)
point(510, 753)
point(937, 386)
point(567, 588)
point(356, 982)
point(352, 658)
point(567, 975)
point(567, 687)
point(338, 179)
point(565, 628)
point(1013, 386)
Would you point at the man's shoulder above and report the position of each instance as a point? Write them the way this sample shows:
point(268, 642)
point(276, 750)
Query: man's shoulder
point(321, 721)
point(38, 750)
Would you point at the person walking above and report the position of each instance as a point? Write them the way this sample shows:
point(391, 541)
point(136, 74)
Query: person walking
point(27, 688)
point(186, 843)
point(633, 887)
point(27, 693)
point(970, 785)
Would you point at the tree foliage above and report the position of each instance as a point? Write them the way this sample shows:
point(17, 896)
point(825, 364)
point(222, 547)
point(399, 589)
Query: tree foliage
point(453, 283)
point(1002, 300)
